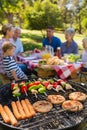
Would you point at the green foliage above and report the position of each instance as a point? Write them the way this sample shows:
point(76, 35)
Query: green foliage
point(84, 23)
point(43, 14)
point(30, 46)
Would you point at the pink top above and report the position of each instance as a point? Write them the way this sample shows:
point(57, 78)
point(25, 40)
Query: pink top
point(1, 56)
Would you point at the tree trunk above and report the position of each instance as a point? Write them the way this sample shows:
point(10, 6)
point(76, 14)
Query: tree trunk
point(80, 27)
point(9, 17)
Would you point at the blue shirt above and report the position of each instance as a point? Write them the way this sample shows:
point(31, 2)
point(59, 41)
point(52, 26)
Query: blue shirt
point(56, 42)
point(67, 50)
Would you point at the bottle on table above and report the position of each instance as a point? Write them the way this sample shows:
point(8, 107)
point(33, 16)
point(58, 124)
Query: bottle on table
point(58, 52)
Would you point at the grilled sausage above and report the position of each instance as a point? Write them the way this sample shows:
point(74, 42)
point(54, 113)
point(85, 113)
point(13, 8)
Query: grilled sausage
point(11, 116)
point(30, 107)
point(15, 111)
point(28, 114)
point(20, 109)
point(4, 115)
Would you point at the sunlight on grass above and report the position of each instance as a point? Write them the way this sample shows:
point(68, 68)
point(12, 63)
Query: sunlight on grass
point(35, 36)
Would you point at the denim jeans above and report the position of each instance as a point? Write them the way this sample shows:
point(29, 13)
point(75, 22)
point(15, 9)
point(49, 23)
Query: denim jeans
point(26, 70)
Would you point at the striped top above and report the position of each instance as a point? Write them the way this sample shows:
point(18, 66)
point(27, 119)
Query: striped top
point(9, 64)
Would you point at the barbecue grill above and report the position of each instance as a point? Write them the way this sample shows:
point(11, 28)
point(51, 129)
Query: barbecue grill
point(56, 119)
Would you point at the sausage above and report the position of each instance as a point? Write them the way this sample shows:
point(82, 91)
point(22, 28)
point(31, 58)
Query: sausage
point(30, 107)
point(28, 114)
point(15, 111)
point(4, 115)
point(20, 109)
point(11, 116)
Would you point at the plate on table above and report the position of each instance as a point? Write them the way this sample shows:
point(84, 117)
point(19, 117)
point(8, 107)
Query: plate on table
point(30, 58)
point(36, 61)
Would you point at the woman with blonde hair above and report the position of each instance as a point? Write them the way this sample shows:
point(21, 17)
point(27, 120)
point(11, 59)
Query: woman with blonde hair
point(84, 54)
point(7, 32)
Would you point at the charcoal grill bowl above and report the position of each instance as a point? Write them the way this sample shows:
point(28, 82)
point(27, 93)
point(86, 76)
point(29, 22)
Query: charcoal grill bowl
point(6, 92)
point(79, 126)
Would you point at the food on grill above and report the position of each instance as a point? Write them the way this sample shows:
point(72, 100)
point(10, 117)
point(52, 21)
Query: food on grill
point(30, 107)
point(80, 96)
point(57, 87)
point(23, 87)
point(11, 116)
point(28, 114)
point(50, 86)
point(34, 91)
point(15, 90)
point(72, 105)
point(4, 115)
point(68, 86)
point(65, 85)
point(42, 106)
point(56, 99)
point(20, 109)
point(15, 110)
point(40, 88)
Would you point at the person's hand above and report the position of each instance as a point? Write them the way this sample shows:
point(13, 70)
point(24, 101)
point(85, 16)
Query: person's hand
point(36, 50)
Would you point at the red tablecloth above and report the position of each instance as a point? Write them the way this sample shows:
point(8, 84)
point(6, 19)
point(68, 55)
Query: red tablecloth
point(63, 71)
point(31, 62)
point(66, 70)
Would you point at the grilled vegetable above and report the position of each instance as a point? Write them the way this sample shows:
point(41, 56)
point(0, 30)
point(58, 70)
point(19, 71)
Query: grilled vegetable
point(24, 89)
point(18, 94)
point(42, 90)
point(35, 87)
point(14, 86)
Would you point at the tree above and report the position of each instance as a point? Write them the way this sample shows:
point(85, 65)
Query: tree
point(43, 14)
point(10, 9)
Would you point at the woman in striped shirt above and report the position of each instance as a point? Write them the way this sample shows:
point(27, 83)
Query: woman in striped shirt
point(10, 66)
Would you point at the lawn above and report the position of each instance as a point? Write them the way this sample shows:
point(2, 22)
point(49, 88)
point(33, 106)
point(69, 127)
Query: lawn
point(33, 39)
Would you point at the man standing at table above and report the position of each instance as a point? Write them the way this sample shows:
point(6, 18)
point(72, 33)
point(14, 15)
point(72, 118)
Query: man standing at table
point(51, 40)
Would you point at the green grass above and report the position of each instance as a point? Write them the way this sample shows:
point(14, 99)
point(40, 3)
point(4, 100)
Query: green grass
point(33, 39)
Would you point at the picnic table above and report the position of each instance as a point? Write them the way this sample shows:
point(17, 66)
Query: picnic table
point(63, 71)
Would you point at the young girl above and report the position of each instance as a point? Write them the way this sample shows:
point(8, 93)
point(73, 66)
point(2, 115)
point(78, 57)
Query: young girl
point(84, 54)
point(10, 66)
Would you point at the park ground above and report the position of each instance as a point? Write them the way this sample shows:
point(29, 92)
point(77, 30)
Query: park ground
point(33, 38)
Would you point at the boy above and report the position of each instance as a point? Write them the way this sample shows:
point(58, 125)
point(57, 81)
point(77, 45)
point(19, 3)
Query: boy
point(10, 66)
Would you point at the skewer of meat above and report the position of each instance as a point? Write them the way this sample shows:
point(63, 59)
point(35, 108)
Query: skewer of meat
point(15, 111)
point(4, 115)
point(20, 109)
point(30, 107)
point(27, 112)
point(11, 116)
point(34, 92)
point(68, 86)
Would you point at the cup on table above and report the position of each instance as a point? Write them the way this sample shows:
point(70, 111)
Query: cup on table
point(66, 57)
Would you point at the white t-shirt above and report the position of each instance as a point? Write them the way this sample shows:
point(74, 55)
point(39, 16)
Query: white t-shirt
point(19, 47)
point(84, 58)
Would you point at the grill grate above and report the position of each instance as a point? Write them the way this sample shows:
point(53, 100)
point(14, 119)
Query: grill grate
point(54, 119)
